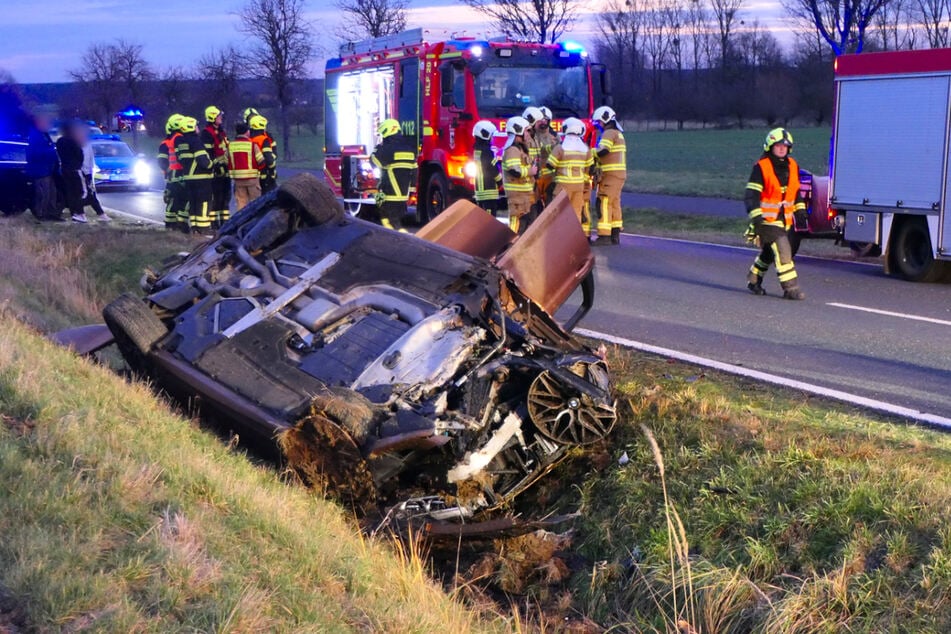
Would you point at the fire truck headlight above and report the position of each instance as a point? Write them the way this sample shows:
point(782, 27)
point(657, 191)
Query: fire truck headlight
point(470, 169)
point(377, 172)
point(476, 50)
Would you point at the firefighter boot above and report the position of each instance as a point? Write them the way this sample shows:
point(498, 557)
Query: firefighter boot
point(791, 290)
point(615, 236)
point(754, 282)
point(601, 241)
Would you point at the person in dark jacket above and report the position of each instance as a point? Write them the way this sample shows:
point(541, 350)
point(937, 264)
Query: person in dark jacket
point(42, 166)
point(395, 156)
point(70, 150)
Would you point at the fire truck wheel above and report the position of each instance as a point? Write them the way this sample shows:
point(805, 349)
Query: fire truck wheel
point(436, 199)
point(312, 196)
point(911, 255)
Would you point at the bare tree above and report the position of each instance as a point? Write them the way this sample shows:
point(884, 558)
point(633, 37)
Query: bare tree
point(534, 20)
point(281, 50)
point(373, 18)
point(220, 71)
point(894, 25)
point(725, 14)
point(113, 73)
point(841, 23)
point(935, 15)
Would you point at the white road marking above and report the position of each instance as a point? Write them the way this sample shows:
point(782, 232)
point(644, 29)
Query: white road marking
point(119, 212)
point(888, 313)
point(854, 399)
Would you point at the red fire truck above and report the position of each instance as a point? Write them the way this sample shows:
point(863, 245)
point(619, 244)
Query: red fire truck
point(891, 159)
point(438, 89)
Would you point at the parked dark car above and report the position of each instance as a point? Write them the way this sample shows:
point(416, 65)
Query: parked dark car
point(15, 188)
point(422, 376)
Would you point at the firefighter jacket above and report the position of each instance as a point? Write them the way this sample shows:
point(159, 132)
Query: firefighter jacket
point(540, 147)
point(167, 159)
point(196, 165)
point(263, 141)
point(612, 151)
point(516, 169)
point(571, 161)
point(245, 159)
point(396, 158)
point(772, 192)
point(487, 179)
point(216, 145)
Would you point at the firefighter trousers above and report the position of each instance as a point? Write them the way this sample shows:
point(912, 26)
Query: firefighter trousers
point(391, 214)
point(609, 202)
point(777, 250)
point(176, 203)
point(246, 190)
point(199, 203)
point(575, 192)
point(220, 199)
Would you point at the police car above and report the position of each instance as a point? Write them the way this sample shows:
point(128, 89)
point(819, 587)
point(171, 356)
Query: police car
point(117, 165)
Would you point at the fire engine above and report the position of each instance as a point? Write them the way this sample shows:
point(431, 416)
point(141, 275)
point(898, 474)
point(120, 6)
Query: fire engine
point(438, 89)
point(891, 157)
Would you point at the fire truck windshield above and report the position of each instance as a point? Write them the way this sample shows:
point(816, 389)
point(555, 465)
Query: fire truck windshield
point(504, 91)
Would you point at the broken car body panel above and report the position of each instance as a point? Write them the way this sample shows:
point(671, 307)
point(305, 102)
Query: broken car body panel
point(390, 368)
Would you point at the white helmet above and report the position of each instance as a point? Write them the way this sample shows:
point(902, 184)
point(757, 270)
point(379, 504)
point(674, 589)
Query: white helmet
point(605, 115)
point(533, 115)
point(573, 126)
point(516, 126)
point(484, 130)
point(546, 111)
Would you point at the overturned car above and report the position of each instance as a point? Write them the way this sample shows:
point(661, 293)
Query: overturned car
point(420, 374)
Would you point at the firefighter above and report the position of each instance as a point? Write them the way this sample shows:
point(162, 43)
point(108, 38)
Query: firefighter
point(215, 140)
point(262, 139)
point(176, 195)
point(245, 162)
point(612, 159)
point(772, 199)
point(571, 162)
point(487, 176)
point(197, 173)
point(395, 156)
point(541, 142)
point(518, 171)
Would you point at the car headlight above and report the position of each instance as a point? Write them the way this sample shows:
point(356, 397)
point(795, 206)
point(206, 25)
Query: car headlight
point(470, 169)
point(143, 173)
point(377, 172)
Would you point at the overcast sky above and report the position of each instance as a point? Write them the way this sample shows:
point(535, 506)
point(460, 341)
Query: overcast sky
point(42, 41)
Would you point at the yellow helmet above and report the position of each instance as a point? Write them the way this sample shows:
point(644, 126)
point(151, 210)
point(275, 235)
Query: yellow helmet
point(211, 113)
point(188, 124)
point(173, 124)
point(257, 122)
point(248, 113)
point(778, 135)
point(388, 127)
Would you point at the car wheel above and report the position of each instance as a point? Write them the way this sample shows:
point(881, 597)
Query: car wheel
point(911, 255)
point(312, 196)
point(436, 197)
point(135, 327)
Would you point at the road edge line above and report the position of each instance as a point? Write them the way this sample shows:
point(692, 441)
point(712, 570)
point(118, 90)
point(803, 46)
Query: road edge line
point(917, 416)
point(119, 212)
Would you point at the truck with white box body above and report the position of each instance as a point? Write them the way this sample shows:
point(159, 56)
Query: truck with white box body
point(891, 155)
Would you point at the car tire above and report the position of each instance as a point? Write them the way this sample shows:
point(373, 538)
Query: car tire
point(911, 255)
point(312, 197)
point(135, 327)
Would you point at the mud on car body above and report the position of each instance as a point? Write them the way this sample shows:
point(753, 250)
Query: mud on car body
point(425, 374)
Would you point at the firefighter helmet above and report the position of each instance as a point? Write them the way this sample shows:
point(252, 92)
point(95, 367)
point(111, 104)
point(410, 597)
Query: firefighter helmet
point(573, 126)
point(188, 124)
point(257, 122)
point(546, 111)
point(533, 115)
point(248, 113)
point(605, 115)
point(484, 130)
point(211, 113)
point(388, 127)
point(516, 126)
point(173, 123)
point(778, 135)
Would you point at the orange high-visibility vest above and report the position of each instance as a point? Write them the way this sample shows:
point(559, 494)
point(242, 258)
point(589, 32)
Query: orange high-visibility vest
point(777, 203)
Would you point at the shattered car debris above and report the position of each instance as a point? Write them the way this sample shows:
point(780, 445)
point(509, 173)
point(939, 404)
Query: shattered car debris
point(420, 374)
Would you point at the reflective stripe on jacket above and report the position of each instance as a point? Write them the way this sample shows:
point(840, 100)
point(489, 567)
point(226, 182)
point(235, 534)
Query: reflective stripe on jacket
point(396, 158)
point(487, 177)
point(573, 163)
point(616, 158)
point(245, 159)
point(778, 202)
point(515, 170)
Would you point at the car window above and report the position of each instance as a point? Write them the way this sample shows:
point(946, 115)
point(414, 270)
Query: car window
point(111, 150)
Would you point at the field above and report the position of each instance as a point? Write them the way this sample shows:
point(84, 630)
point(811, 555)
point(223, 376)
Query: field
point(718, 505)
point(712, 163)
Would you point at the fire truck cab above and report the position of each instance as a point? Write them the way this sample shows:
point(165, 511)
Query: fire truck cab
point(438, 89)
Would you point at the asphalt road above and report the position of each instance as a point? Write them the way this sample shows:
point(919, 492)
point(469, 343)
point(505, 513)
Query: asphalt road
point(692, 298)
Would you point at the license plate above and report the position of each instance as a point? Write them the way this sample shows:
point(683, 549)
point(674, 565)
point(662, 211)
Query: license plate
point(119, 177)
